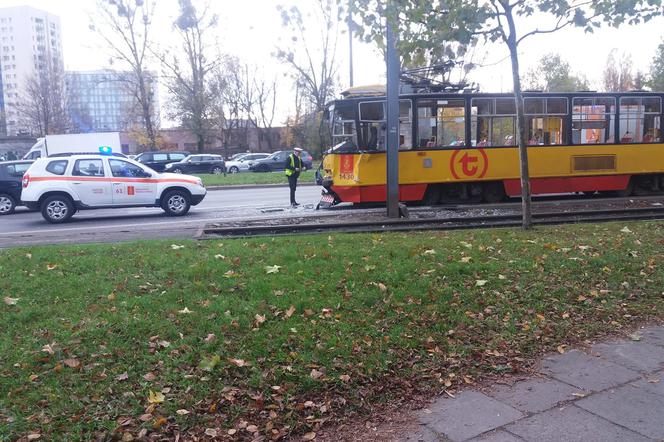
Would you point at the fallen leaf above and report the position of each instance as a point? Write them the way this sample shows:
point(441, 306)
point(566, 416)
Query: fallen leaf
point(429, 252)
point(211, 432)
point(210, 337)
point(288, 313)
point(155, 398)
point(182, 412)
point(28, 255)
point(309, 436)
point(149, 377)
point(176, 247)
point(122, 377)
point(272, 269)
point(252, 428)
point(48, 349)
point(51, 266)
point(579, 394)
point(164, 344)
point(232, 431)
point(159, 422)
point(185, 311)
point(561, 349)
point(502, 277)
point(219, 257)
point(466, 259)
point(239, 362)
point(382, 287)
point(33, 436)
point(72, 363)
point(208, 364)
point(10, 301)
point(315, 374)
point(111, 297)
point(635, 337)
point(480, 282)
point(344, 378)
point(625, 230)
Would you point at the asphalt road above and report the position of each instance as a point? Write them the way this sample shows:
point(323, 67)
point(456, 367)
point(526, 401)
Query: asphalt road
point(25, 228)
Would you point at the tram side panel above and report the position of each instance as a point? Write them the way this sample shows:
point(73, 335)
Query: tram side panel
point(360, 177)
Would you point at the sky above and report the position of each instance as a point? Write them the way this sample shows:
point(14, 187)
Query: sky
point(252, 30)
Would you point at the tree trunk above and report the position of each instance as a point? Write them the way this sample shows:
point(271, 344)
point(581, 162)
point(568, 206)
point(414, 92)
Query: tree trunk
point(200, 142)
point(526, 209)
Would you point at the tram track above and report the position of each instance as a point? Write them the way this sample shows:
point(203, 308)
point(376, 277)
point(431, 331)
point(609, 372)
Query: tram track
point(382, 224)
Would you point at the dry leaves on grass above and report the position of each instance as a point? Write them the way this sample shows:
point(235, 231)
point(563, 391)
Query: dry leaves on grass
point(156, 397)
point(10, 301)
point(272, 269)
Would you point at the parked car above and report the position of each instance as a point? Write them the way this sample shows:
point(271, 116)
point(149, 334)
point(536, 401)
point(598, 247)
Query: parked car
point(235, 156)
point(158, 160)
point(242, 163)
point(277, 160)
point(60, 186)
point(199, 164)
point(11, 175)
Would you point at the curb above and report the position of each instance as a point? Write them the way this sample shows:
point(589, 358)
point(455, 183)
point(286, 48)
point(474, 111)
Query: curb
point(254, 186)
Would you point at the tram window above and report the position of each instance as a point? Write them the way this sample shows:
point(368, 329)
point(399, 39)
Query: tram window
point(343, 125)
point(493, 121)
point(640, 119)
point(372, 111)
point(441, 122)
point(373, 127)
point(505, 106)
point(593, 120)
point(545, 122)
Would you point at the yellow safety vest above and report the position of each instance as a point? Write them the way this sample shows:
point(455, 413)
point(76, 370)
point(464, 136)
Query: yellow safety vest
point(290, 172)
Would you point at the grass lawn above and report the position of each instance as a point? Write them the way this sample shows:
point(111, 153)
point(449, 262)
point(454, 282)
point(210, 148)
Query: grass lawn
point(254, 178)
point(276, 336)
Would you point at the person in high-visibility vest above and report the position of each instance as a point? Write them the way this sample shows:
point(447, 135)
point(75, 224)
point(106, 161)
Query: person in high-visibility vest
point(293, 167)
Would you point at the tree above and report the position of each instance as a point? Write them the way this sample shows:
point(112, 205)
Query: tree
point(192, 98)
point(126, 30)
point(44, 106)
point(656, 81)
point(430, 23)
point(553, 74)
point(313, 63)
point(618, 73)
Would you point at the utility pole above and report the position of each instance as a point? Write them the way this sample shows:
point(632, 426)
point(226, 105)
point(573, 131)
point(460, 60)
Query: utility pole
point(393, 73)
point(350, 43)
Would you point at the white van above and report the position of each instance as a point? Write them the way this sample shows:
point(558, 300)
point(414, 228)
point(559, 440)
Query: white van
point(75, 143)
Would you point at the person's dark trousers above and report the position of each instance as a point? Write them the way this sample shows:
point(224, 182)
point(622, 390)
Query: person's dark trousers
point(292, 183)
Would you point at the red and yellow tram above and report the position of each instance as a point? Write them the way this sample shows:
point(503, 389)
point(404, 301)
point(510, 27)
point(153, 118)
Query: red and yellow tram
point(462, 146)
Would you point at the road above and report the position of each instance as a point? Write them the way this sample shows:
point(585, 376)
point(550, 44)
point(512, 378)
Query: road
point(109, 225)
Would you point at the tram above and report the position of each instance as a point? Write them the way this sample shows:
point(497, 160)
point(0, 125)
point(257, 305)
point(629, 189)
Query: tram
point(456, 147)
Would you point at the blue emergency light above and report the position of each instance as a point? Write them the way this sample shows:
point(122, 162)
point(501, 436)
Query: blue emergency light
point(105, 150)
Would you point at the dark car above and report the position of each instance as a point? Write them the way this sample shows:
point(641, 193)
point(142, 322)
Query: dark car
point(11, 177)
point(157, 161)
point(277, 160)
point(202, 163)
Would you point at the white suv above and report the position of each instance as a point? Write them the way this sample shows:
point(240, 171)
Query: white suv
point(61, 185)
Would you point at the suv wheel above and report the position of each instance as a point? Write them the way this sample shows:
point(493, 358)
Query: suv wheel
point(233, 169)
point(176, 203)
point(7, 204)
point(177, 170)
point(57, 209)
point(217, 170)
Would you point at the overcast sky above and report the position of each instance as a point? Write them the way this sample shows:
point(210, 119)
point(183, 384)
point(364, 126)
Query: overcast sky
point(251, 29)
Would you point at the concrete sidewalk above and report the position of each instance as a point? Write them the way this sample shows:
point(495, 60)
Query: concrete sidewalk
point(612, 392)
